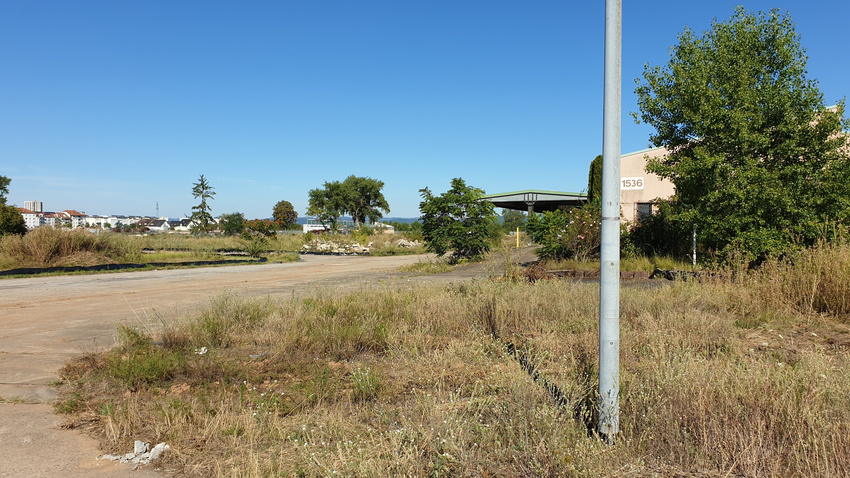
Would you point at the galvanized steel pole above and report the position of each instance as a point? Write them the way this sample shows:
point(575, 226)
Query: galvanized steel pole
point(609, 274)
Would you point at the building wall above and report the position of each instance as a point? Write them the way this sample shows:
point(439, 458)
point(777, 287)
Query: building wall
point(637, 187)
point(34, 206)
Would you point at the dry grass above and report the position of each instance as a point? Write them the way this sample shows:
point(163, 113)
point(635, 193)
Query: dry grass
point(721, 378)
point(428, 266)
point(637, 263)
point(47, 247)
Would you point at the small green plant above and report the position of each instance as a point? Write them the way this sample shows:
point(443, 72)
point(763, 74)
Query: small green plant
point(74, 403)
point(256, 247)
point(139, 362)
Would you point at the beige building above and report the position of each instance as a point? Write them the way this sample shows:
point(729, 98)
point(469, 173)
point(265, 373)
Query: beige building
point(638, 190)
point(637, 187)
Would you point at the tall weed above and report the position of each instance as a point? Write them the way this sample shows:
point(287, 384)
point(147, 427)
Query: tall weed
point(47, 246)
point(814, 280)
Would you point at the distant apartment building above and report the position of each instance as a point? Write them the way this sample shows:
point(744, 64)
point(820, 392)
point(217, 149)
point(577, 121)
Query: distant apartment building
point(108, 222)
point(67, 218)
point(34, 206)
point(70, 217)
point(32, 219)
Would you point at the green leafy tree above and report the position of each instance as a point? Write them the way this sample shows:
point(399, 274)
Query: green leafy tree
point(414, 226)
point(232, 224)
point(594, 179)
point(11, 221)
point(4, 189)
point(284, 215)
point(756, 157)
point(202, 219)
point(456, 220)
point(327, 203)
point(364, 199)
point(359, 197)
point(512, 219)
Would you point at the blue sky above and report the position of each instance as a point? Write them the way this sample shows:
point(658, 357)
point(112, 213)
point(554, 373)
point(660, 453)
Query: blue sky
point(110, 107)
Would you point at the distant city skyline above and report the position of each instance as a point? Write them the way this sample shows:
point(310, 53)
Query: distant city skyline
point(112, 107)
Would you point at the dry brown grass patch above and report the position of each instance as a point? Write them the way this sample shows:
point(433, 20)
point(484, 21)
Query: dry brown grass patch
point(419, 382)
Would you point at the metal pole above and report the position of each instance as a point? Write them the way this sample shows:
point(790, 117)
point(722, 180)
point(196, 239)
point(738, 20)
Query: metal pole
point(695, 246)
point(609, 274)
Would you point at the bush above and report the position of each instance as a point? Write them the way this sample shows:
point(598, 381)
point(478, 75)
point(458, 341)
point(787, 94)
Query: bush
point(574, 234)
point(457, 220)
point(660, 234)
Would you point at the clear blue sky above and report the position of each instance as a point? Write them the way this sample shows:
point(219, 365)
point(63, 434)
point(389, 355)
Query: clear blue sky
point(109, 107)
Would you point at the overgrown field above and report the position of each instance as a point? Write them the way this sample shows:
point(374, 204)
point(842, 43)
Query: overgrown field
point(49, 247)
point(742, 376)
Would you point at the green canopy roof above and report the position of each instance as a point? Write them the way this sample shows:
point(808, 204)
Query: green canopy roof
point(535, 200)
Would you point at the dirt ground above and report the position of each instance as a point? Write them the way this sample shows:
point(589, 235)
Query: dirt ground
point(44, 321)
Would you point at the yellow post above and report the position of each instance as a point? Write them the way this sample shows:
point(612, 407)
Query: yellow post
point(517, 237)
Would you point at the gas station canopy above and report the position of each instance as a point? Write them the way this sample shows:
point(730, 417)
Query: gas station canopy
point(536, 201)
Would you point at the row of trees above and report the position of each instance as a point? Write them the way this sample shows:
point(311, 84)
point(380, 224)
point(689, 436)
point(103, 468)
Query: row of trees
point(360, 197)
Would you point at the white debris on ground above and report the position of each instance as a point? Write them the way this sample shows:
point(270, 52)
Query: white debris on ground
point(142, 454)
point(322, 247)
point(319, 246)
point(405, 244)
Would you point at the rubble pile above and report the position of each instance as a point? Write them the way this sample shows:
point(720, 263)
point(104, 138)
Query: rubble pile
point(142, 454)
point(331, 247)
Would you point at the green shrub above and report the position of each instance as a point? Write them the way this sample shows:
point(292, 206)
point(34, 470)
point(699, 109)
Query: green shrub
point(457, 220)
point(139, 362)
point(574, 234)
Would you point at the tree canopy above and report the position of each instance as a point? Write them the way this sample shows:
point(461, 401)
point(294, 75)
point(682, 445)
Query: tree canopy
point(512, 219)
point(364, 199)
point(4, 189)
point(758, 161)
point(327, 203)
point(594, 179)
point(359, 197)
point(232, 224)
point(201, 217)
point(457, 220)
point(284, 214)
point(11, 219)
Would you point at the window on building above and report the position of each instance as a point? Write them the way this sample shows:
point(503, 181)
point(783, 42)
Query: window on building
point(644, 210)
